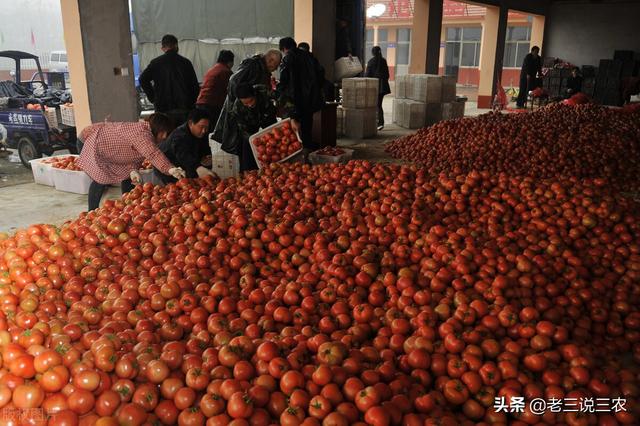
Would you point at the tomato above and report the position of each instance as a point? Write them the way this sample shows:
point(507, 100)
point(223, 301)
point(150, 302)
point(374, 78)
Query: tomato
point(367, 398)
point(240, 406)
point(27, 396)
point(131, 415)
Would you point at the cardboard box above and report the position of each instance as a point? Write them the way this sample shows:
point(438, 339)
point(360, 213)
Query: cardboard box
point(360, 123)
point(360, 93)
point(426, 88)
point(451, 110)
point(433, 113)
point(410, 114)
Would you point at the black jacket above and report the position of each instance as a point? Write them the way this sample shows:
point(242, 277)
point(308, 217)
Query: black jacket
point(377, 68)
point(252, 71)
point(299, 91)
point(531, 66)
point(575, 84)
point(170, 82)
point(184, 150)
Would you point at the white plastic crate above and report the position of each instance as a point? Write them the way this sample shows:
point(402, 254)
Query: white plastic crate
point(42, 172)
point(146, 175)
point(223, 164)
point(67, 116)
point(267, 130)
point(347, 67)
point(71, 181)
point(51, 115)
point(315, 158)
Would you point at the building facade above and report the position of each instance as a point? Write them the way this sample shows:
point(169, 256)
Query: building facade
point(389, 24)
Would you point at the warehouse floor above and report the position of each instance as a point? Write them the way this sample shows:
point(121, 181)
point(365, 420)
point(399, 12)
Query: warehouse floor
point(23, 202)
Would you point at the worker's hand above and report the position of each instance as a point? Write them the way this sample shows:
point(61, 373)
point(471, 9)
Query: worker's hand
point(177, 172)
point(136, 179)
point(206, 161)
point(203, 171)
point(295, 125)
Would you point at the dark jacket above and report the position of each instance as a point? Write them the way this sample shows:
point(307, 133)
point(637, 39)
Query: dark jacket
point(170, 82)
point(343, 42)
point(531, 66)
point(299, 91)
point(214, 86)
point(574, 84)
point(240, 122)
point(251, 71)
point(184, 150)
point(377, 68)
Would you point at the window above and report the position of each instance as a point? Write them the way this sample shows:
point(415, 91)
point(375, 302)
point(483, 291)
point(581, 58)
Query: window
point(383, 41)
point(403, 46)
point(462, 47)
point(368, 45)
point(63, 57)
point(55, 57)
point(516, 46)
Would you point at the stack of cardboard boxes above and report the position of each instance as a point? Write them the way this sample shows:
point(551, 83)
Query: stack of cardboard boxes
point(424, 99)
point(358, 115)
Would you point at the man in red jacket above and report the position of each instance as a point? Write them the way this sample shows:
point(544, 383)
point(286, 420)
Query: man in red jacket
point(215, 85)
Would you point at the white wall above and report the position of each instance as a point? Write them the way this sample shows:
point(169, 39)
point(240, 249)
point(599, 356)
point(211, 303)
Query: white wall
point(583, 32)
point(19, 18)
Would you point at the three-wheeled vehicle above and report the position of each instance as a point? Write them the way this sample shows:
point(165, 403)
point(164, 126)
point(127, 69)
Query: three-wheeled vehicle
point(27, 130)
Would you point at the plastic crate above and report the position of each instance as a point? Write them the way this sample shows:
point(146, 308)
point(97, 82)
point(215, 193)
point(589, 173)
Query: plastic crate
point(51, 115)
point(360, 123)
point(347, 67)
point(223, 164)
point(315, 158)
point(267, 130)
point(71, 181)
point(449, 88)
point(66, 115)
point(42, 172)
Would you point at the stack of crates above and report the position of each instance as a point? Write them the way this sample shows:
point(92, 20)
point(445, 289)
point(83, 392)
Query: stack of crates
point(424, 99)
point(359, 107)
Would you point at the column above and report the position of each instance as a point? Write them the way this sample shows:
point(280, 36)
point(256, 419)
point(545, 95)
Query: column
point(392, 46)
point(494, 30)
point(425, 36)
point(98, 40)
point(303, 21)
point(537, 31)
point(75, 57)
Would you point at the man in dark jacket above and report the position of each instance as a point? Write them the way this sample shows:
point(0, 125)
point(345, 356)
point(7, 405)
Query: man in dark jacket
point(377, 68)
point(188, 147)
point(170, 82)
point(215, 85)
point(255, 72)
point(299, 91)
point(531, 68)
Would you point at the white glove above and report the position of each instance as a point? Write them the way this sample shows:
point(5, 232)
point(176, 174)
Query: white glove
point(177, 172)
point(203, 171)
point(136, 179)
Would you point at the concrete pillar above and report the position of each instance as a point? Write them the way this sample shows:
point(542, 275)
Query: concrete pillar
point(392, 41)
point(75, 57)
point(375, 36)
point(425, 36)
point(537, 31)
point(303, 21)
point(494, 31)
point(314, 21)
point(98, 39)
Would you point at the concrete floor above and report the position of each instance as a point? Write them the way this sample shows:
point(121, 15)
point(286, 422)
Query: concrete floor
point(23, 202)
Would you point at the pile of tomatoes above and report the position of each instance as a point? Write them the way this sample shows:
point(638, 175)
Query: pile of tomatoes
point(328, 295)
point(67, 162)
point(558, 140)
point(276, 145)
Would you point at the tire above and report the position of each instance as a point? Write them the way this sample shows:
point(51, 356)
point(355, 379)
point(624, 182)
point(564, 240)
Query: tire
point(28, 150)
